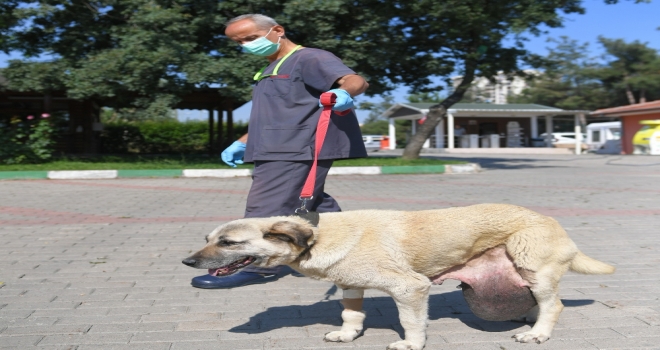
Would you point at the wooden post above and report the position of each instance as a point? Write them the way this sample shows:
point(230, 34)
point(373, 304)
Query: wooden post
point(48, 103)
point(211, 131)
point(220, 126)
point(230, 122)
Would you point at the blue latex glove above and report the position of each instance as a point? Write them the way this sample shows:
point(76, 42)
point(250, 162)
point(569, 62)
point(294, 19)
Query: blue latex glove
point(344, 100)
point(233, 154)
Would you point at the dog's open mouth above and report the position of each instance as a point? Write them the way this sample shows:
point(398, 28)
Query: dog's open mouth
point(232, 268)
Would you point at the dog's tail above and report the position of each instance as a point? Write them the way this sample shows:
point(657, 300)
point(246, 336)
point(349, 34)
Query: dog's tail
point(589, 266)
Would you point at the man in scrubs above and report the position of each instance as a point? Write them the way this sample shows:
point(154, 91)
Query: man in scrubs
point(282, 129)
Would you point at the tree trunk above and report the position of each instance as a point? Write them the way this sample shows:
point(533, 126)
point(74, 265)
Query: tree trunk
point(436, 113)
point(629, 94)
point(642, 96)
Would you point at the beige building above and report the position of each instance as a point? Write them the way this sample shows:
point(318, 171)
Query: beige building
point(496, 91)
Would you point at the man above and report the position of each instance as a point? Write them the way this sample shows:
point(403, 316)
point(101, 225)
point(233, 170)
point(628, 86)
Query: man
point(282, 128)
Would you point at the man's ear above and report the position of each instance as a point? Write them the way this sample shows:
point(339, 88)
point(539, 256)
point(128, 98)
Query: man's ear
point(290, 232)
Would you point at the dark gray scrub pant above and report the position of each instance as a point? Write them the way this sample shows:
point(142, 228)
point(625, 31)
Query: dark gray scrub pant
point(275, 191)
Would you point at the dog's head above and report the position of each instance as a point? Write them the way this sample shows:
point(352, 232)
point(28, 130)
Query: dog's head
point(260, 242)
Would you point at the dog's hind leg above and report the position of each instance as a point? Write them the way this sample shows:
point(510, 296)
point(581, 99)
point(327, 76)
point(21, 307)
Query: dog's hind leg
point(412, 299)
point(353, 317)
point(546, 293)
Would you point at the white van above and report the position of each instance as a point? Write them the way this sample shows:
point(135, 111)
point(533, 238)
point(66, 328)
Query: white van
point(604, 138)
point(372, 142)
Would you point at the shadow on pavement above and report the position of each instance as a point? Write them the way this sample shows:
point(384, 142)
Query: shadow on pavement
point(381, 314)
point(511, 163)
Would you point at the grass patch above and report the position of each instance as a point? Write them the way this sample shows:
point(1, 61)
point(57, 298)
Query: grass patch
point(191, 162)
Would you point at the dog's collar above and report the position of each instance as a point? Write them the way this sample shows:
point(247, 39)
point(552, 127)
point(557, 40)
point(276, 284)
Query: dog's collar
point(310, 216)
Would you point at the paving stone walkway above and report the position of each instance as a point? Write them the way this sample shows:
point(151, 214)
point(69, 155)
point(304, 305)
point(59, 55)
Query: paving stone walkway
point(95, 264)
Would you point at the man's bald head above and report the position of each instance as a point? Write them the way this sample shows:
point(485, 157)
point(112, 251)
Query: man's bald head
point(262, 22)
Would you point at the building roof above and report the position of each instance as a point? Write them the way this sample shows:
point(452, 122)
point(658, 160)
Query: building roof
point(636, 109)
point(419, 110)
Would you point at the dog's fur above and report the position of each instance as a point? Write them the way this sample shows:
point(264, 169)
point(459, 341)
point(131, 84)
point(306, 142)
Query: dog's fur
point(401, 252)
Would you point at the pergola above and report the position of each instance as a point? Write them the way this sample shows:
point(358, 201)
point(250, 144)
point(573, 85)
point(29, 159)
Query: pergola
point(417, 111)
point(84, 126)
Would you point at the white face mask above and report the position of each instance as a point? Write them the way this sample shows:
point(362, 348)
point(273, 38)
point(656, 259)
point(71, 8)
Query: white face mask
point(262, 46)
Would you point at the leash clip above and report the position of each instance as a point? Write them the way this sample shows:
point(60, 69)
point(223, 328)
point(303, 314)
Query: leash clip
point(303, 207)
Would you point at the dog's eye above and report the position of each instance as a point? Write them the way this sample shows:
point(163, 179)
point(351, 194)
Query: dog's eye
point(225, 243)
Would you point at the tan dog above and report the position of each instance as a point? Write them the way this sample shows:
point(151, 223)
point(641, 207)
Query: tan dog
point(500, 253)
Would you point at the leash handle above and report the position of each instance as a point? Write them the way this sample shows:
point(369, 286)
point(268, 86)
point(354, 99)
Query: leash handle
point(328, 99)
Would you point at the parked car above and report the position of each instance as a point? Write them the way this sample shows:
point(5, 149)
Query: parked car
point(562, 138)
point(641, 140)
point(372, 142)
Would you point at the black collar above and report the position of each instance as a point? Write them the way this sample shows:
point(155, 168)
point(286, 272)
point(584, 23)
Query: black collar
point(311, 216)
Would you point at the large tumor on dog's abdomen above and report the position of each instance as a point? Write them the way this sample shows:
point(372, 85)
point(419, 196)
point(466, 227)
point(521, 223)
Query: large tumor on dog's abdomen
point(498, 302)
point(492, 287)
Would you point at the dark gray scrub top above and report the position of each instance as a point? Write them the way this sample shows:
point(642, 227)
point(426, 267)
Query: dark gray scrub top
point(285, 111)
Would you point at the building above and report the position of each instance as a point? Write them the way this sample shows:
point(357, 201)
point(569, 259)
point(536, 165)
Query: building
point(502, 125)
point(496, 91)
point(630, 117)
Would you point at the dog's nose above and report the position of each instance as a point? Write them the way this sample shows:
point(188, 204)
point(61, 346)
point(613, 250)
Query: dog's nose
point(189, 262)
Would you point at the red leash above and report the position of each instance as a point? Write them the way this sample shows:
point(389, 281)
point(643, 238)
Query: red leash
point(328, 100)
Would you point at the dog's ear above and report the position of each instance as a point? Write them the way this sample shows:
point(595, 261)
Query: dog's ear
point(289, 231)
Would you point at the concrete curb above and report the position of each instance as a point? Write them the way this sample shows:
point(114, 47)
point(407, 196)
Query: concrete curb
point(83, 174)
point(469, 168)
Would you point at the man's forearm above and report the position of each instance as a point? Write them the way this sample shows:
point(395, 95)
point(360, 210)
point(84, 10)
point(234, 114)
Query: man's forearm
point(353, 84)
point(243, 138)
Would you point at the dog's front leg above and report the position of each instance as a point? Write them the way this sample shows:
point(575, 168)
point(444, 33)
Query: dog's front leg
point(412, 299)
point(353, 317)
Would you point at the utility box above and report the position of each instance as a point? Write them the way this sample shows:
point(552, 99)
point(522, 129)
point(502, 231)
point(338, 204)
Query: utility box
point(490, 141)
point(385, 142)
point(514, 134)
point(470, 141)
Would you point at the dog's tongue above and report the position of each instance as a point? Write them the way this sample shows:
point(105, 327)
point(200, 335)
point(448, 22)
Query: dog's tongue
point(214, 272)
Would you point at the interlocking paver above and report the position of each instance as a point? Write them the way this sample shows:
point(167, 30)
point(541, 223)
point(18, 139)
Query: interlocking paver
point(95, 264)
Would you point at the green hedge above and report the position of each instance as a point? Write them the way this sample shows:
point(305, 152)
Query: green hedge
point(164, 137)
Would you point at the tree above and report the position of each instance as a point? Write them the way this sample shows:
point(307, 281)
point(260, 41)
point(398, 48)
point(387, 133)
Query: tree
point(138, 56)
point(467, 36)
point(434, 97)
point(573, 80)
point(569, 79)
point(7, 21)
point(634, 69)
point(142, 54)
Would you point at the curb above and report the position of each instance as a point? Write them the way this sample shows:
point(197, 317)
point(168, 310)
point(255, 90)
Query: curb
point(470, 168)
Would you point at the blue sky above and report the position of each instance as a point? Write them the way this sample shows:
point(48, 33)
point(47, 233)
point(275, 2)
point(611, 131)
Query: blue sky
point(625, 20)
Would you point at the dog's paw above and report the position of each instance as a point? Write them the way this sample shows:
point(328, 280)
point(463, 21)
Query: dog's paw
point(342, 336)
point(529, 337)
point(404, 345)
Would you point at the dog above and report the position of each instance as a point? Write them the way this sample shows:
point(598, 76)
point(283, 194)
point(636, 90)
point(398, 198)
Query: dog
point(509, 260)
